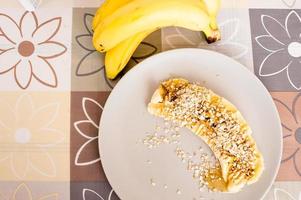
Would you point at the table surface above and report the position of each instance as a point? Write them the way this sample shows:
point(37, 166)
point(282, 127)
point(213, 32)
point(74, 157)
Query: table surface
point(53, 89)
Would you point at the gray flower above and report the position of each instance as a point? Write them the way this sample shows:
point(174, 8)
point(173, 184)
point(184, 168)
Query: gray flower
point(87, 65)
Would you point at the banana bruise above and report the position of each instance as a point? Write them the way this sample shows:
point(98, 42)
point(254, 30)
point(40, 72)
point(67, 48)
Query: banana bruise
point(153, 16)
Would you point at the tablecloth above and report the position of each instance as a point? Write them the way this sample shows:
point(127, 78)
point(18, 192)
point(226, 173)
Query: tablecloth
point(53, 90)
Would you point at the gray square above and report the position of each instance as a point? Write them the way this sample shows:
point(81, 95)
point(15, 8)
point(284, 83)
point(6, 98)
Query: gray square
point(276, 40)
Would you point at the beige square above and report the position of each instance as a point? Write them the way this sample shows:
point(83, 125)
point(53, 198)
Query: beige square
point(34, 136)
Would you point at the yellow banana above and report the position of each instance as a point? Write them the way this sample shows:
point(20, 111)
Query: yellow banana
point(117, 58)
point(127, 6)
point(213, 6)
point(107, 9)
point(155, 15)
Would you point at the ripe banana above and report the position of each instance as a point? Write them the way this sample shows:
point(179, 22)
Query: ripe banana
point(188, 14)
point(117, 58)
point(213, 6)
point(126, 6)
point(107, 11)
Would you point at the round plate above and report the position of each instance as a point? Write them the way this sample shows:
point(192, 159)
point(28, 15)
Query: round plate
point(131, 167)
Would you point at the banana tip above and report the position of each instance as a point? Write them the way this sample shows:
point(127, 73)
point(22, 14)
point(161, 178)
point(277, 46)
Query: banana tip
point(216, 35)
point(211, 40)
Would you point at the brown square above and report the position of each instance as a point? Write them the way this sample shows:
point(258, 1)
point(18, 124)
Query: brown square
point(86, 110)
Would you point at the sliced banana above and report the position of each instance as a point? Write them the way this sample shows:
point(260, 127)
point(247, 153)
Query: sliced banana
point(219, 124)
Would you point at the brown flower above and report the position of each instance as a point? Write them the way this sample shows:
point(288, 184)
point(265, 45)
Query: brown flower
point(291, 123)
point(26, 48)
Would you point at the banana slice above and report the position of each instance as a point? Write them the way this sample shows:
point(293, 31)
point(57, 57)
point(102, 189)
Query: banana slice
point(219, 124)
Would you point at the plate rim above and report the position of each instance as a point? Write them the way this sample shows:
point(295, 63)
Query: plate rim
point(214, 53)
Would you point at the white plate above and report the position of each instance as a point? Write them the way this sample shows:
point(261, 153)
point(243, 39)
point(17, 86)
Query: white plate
point(125, 120)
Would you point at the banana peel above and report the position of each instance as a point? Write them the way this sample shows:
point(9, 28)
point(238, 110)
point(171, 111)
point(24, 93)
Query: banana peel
point(119, 54)
point(118, 57)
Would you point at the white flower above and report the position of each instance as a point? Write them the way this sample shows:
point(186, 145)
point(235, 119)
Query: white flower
point(281, 194)
point(23, 192)
point(283, 42)
point(289, 3)
point(26, 134)
point(92, 125)
point(92, 195)
point(228, 46)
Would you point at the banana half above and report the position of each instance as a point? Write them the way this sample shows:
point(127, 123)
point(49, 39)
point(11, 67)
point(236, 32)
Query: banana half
point(219, 124)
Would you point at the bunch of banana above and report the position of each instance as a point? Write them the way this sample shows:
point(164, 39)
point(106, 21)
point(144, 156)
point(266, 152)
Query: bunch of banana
point(121, 25)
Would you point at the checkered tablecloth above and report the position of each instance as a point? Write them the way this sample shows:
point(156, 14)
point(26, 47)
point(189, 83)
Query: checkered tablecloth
point(53, 89)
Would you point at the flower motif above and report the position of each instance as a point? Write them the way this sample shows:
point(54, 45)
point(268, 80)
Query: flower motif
point(26, 48)
point(291, 123)
point(87, 65)
point(28, 134)
point(23, 192)
point(289, 3)
point(89, 194)
point(280, 194)
point(229, 30)
point(87, 154)
point(283, 42)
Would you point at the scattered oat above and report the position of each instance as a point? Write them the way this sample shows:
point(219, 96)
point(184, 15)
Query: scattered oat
point(149, 162)
point(165, 186)
point(196, 107)
point(152, 182)
point(179, 191)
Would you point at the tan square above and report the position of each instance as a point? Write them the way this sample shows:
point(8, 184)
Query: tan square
point(34, 135)
point(34, 190)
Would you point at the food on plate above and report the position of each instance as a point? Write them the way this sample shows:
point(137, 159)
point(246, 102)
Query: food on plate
point(121, 25)
point(219, 124)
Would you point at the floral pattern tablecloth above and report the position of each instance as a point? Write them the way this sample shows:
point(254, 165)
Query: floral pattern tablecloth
point(53, 90)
